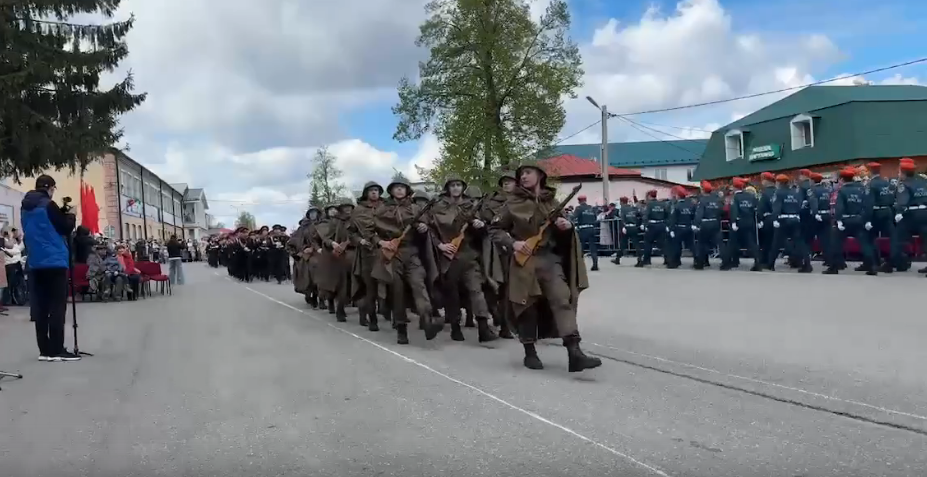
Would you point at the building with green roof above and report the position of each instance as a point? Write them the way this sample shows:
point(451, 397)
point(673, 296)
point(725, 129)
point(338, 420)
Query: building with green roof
point(822, 128)
point(672, 161)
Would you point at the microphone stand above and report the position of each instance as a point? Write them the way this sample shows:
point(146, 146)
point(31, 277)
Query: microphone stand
point(77, 350)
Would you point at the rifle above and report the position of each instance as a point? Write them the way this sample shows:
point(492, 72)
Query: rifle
point(458, 240)
point(388, 254)
point(532, 242)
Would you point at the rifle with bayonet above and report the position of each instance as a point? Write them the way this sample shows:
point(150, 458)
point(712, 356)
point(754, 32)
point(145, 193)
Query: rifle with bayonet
point(532, 242)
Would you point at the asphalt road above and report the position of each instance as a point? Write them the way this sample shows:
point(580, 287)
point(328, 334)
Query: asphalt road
point(706, 374)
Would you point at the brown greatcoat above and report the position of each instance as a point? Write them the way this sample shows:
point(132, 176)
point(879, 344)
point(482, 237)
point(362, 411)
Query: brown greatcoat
point(335, 271)
point(521, 218)
point(361, 223)
point(297, 245)
point(494, 259)
point(447, 218)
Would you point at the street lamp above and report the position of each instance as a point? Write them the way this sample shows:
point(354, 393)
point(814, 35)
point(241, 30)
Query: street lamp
point(604, 154)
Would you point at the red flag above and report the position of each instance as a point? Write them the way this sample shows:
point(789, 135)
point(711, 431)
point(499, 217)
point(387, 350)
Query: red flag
point(89, 209)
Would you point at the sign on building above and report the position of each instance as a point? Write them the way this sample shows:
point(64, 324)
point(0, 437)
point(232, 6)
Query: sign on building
point(769, 152)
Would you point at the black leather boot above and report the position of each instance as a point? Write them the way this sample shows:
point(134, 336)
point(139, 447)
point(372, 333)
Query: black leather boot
point(531, 357)
point(469, 321)
point(484, 331)
point(578, 360)
point(456, 333)
point(372, 323)
point(504, 331)
point(363, 319)
point(331, 307)
point(340, 314)
point(402, 334)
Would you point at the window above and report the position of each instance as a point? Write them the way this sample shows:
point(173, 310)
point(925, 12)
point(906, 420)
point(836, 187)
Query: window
point(130, 184)
point(166, 200)
point(177, 208)
point(660, 173)
point(734, 145)
point(152, 194)
point(802, 131)
point(689, 173)
point(127, 235)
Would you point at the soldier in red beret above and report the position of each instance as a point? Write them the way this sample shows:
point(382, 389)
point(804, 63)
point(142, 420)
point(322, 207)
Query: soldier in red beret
point(629, 217)
point(654, 225)
point(853, 214)
point(786, 213)
point(679, 225)
point(743, 228)
point(821, 224)
point(707, 225)
point(764, 214)
point(883, 218)
point(911, 212)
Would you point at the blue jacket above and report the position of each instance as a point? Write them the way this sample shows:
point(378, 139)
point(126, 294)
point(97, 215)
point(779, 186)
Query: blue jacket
point(45, 227)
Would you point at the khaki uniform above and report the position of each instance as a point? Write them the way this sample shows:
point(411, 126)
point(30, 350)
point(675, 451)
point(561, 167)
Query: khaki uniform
point(367, 256)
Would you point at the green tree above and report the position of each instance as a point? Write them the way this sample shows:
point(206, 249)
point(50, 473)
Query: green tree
point(492, 87)
point(53, 113)
point(246, 219)
point(326, 189)
point(398, 176)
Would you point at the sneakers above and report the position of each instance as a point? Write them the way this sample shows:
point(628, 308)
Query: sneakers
point(64, 356)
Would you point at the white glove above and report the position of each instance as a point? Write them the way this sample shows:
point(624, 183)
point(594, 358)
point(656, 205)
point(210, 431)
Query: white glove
point(320, 250)
point(672, 234)
point(695, 228)
point(624, 231)
point(868, 226)
point(898, 218)
point(667, 229)
point(759, 224)
point(775, 224)
point(734, 227)
point(840, 226)
point(818, 217)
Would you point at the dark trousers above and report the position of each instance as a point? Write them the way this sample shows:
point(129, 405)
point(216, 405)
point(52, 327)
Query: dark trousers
point(709, 238)
point(48, 307)
point(682, 237)
point(589, 242)
point(654, 236)
point(745, 237)
point(789, 230)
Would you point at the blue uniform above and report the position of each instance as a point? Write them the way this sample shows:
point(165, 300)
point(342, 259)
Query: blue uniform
point(656, 211)
point(786, 212)
point(682, 217)
point(743, 214)
point(820, 225)
point(912, 206)
point(708, 216)
point(629, 217)
point(852, 211)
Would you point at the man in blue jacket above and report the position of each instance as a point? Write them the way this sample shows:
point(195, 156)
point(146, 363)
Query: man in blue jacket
point(46, 229)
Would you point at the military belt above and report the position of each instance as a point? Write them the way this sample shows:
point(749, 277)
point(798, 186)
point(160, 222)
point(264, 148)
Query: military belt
point(789, 216)
point(709, 220)
point(880, 207)
point(584, 226)
point(767, 214)
point(656, 221)
point(917, 207)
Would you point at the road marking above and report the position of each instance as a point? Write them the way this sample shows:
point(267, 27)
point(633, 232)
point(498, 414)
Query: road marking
point(471, 387)
point(766, 383)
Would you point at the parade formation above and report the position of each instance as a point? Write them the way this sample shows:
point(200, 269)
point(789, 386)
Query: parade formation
point(510, 259)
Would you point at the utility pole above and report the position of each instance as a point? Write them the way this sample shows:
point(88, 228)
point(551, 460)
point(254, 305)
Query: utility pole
point(606, 183)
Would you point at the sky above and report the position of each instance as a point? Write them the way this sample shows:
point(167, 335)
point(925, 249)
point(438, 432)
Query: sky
point(240, 98)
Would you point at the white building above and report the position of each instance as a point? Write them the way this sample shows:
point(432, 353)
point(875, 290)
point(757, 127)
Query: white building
point(672, 161)
point(569, 171)
point(195, 218)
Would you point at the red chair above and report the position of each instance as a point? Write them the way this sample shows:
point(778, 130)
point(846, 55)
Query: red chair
point(81, 283)
point(152, 270)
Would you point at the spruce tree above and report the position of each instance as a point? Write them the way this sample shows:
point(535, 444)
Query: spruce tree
point(52, 111)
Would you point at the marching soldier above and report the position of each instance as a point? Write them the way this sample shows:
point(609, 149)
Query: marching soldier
point(680, 228)
point(821, 223)
point(303, 250)
point(630, 217)
point(495, 258)
point(455, 227)
point(853, 213)
point(707, 224)
point(911, 216)
point(328, 235)
point(654, 226)
point(765, 214)
point(543, 292)
point(367, 205)
point(584, 216)
point(406, 261)
point(743, 228)
point(786, 212)
point(883, 218)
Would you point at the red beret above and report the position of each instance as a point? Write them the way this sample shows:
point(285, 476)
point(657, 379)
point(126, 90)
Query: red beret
point(848, 173)
point(706, 186)
point(908, 166)
point(581, 197)
point(768, 176)
point(739, 183)
point(782, 178)
point(817, 177)
point(874, 166)
point(906, 159)
point(652, 193)
point(805, 172)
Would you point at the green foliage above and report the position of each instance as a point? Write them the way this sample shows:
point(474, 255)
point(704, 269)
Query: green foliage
point(324, 176)
point(246, 219)
point(398, 176)
point(492, 88)
point(219, 225)
point(52, 111)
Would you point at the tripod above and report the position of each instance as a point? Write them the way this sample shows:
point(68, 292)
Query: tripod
point(77, 350)
point(4, 374)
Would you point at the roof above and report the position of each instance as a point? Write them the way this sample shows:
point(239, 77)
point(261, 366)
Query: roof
point(641, 153)
point(180, 187)
point(815, 98)
point(568, 165)
point(850, 123)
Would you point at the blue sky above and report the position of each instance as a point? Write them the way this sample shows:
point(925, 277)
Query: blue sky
point(240, 99)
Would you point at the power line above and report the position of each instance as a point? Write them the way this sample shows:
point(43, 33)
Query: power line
point(781, 90)
point(642, 129)
point(681, 128)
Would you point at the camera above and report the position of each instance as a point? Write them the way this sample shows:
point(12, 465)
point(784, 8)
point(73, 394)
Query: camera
point(66, 205)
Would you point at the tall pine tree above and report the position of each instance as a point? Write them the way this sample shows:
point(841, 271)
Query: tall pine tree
point(52, 111)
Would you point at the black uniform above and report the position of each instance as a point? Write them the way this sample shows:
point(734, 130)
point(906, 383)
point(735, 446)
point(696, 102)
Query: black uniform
point(883, 221)
point(912, 206)
point(821, 225)
point(852, 211)
point(656, 211)
point(680, 223)
point(708, 227)
point(630, 237)
point(743, 231)
point(586, 223)
point(786, 211)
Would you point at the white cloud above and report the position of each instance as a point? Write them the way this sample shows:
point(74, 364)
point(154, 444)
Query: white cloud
point(691, 55)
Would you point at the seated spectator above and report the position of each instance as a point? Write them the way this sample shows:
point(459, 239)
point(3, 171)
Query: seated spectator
point(133, 275)
point(83, 244)
point(13, 251)
point(105, 274)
